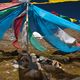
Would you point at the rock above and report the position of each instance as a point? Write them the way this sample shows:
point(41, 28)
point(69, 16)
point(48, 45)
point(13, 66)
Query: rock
point(7, 72)
point(14, 70)
point(78, 78)
point(49, 68)
point(33, 75)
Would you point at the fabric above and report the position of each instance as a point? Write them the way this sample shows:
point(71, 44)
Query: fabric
point(52, 1)
point(62, 23)
point(56, 1)
point(4, 6)
point(70, 9)
point(17, 27)
point(61, 0)
point(24, 0)
point(15, 1)
point(34, 41)
point(24, 34)
point(65, 17)
point(64, 36)
point(39, 1)
point(47, 24)
point(7, 18)
point(77, 44)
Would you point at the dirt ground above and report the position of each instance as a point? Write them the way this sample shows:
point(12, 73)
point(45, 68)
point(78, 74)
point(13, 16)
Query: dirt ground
point(70, 62)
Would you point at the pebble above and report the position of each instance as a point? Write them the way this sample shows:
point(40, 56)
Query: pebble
point(7, 72)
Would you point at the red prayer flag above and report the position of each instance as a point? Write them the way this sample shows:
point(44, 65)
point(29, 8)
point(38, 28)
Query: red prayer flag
point(17, 27)
point(15, 0)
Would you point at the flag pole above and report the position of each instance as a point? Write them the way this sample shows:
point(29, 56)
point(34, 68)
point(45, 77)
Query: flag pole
point(27, 21)
point(26, 53)
point(27, 25)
